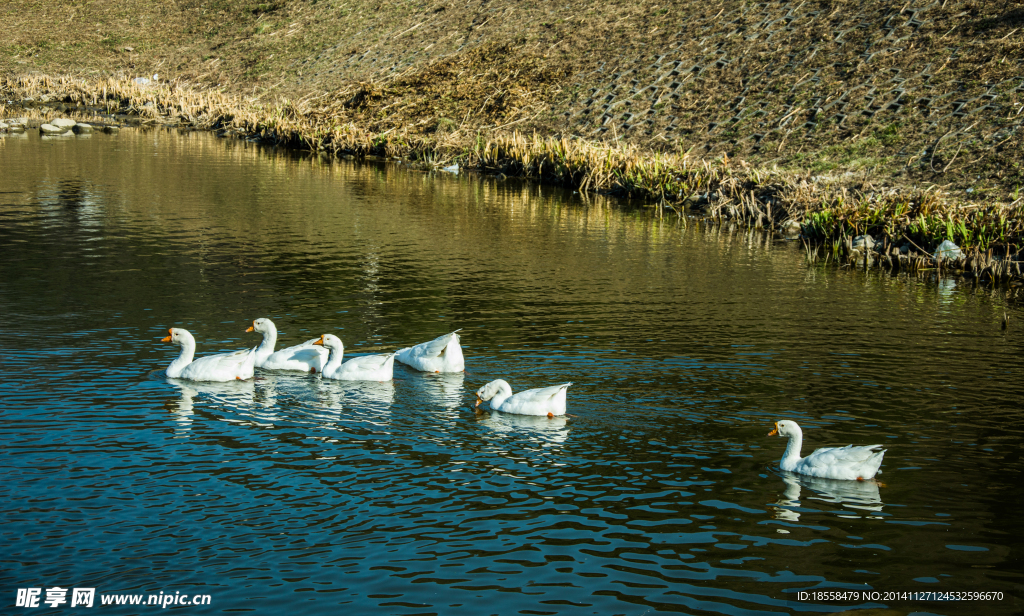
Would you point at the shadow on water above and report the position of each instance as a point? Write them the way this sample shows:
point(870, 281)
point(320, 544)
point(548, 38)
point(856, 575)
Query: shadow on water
point(862, 497)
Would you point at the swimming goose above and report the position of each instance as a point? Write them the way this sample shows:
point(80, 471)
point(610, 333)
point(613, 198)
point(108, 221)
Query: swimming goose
point(548, 401)
point(305, 356)
point(848, 462)
point(220, 367)
point(366, 368)
point(442, 354)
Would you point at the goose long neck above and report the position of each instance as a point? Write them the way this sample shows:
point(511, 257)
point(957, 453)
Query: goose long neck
point(335, 353)
point(796, 440)
point(188, 351)
point(269, 340)
point(504, 393)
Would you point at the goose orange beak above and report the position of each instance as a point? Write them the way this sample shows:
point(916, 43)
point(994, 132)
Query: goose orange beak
point(775, 431)
point(251, 329)
point(168, 338)
point(478, 401)
point(320, 341)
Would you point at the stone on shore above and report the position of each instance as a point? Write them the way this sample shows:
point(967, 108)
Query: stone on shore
point(790, 229)
point(82, 129)
point(863, 242)
point(948, 250)
point(64, 123)
point(111, 130)
point(50, 129)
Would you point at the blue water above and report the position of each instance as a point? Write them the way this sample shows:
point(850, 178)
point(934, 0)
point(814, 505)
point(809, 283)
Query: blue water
point(658, 492)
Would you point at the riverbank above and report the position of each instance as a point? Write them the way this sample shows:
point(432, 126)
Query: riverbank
point(902, 124)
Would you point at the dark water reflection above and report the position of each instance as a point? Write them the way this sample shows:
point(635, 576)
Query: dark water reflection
point(660, 491)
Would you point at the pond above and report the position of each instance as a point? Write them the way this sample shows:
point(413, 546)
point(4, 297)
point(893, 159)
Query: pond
point(659, 491)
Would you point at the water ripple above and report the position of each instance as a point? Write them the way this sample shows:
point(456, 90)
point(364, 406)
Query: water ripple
point(659, 491)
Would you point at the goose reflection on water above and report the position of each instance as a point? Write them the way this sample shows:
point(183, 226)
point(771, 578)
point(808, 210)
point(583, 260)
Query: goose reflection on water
point(358, 405)
point(859, 495)
point(360, 396)
point(544, 431)
point(235, 395)
point(440, 390)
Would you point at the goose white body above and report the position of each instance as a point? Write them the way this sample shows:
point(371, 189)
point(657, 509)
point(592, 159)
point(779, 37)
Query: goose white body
point(442, 354)
point(220, 367)
point(543, 401)
point(850, 463)
point(365, 368)
point(305, 357)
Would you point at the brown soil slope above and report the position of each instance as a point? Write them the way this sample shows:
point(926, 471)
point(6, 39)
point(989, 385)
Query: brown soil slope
point(917, 91)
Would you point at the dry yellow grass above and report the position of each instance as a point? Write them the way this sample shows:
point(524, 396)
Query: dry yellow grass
point(911, 93)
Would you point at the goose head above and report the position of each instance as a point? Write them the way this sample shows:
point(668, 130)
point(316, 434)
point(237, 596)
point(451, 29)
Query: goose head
point(786, 428)
point(180, 337)
point(262, 326)
point(489, 390)
point(330, 341)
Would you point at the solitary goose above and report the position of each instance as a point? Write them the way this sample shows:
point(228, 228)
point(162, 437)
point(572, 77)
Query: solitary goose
point(548, 401)
point(848, 462)
point(366, 368)
point(305, 356)
point(220, 367)
point(442, 354)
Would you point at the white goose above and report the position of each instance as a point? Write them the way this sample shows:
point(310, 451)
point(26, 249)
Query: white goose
point(848, 462)
point(305, 356)
point(220, 367)
point(366, 368)
point(548, 401)
point(442, 354)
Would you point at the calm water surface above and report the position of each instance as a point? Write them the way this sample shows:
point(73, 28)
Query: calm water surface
point(659, 492)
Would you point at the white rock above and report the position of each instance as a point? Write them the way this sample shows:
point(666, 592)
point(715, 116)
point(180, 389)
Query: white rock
point(50, 129)
point(64, 123)
point(82, 128)
point(4, 126)
point(948, 250)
